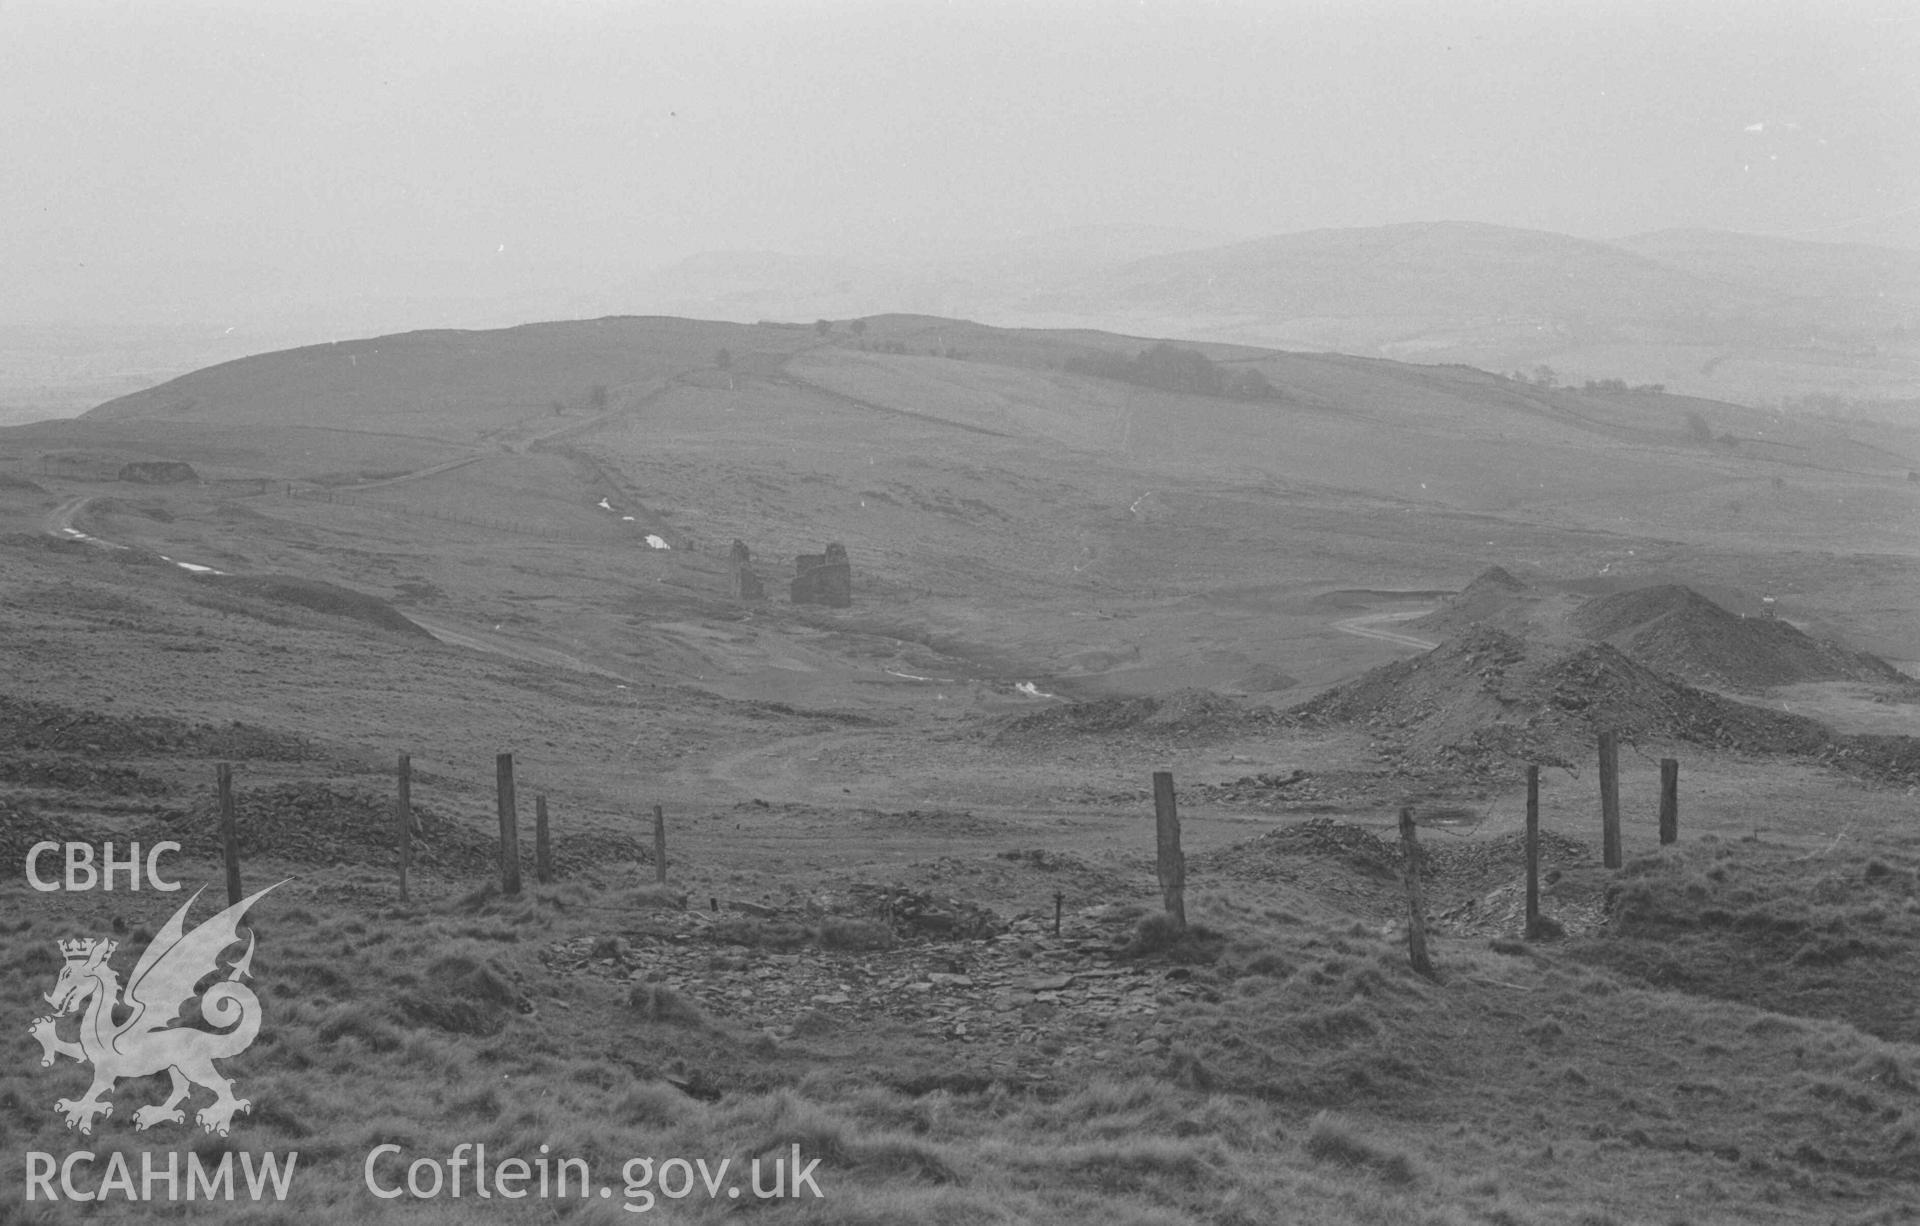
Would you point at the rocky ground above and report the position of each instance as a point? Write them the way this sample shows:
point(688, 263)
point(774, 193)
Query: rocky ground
point(1017, 999)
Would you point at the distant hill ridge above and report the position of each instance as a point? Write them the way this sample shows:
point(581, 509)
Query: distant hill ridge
point(1722, 315)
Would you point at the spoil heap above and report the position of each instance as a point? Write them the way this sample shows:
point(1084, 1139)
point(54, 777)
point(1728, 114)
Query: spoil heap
point(1494, 598)
point(1676, 630)
point(29, 725)
point(1487, 699)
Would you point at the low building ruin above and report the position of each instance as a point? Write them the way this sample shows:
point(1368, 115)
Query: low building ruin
point(157, 472)
point(823, 578)
point(742, 579)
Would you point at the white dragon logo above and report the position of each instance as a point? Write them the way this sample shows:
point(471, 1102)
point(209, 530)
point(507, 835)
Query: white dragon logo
point(152, 1034)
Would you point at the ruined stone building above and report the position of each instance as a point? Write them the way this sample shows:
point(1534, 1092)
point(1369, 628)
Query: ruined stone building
point(823, 578)
point(743, 580)
point(158, 472)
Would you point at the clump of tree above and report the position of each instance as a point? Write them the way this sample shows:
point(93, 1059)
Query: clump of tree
point(1169, 368)
point(1620, 385)
point(1539, 376)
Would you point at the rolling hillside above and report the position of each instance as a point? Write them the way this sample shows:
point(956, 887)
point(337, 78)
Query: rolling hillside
point(992, 495)
point(1419, 436)
point(457, 545)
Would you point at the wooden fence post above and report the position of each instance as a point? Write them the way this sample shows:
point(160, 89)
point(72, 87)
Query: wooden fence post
point(1669, 800)
point(509, 825)
point(1610, 798)
point(403, 818)
point(659, 845)
point(1533, 852)
point(1416, 906)
point(542, 851)
point(229, 836)
point(1173, 865)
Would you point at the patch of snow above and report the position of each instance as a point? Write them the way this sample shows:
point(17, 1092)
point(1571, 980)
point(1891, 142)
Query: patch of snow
point(915, 676)
point(656, 542)
point(1033, 691)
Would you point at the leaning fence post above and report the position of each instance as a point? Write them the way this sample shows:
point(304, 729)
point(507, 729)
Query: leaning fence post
point(403, 818)
point(1173, 865)
point(659, 845)
point(229, 837)
point(542, 854)
point(509, 825)
point(1610, 798)
point(1416, 908)
point(1533, 852)
point(1669, 800)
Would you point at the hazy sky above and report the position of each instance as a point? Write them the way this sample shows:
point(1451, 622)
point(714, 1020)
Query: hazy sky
point(185, 159)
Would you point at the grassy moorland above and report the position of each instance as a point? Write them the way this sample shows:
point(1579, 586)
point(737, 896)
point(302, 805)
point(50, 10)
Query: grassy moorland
point(1310, 1077)
point(871, 824)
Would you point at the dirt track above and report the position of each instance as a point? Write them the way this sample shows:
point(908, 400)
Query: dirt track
point(1366, 626)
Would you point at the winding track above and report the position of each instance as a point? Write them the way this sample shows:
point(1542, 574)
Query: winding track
point(59, 523)
point(1366, 627)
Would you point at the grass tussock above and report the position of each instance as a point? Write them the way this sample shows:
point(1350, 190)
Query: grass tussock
point(1138, 1162)
point(608, 947)
point(837, 932)
point(776, 935)
point(1887, 1067)
point(1332, 1138)
point(464, 991)
point(657, 898)
point(352, 1021)
point(654, 1104)
point(1830, 936)
point(1161, 936)
point(661, 1005)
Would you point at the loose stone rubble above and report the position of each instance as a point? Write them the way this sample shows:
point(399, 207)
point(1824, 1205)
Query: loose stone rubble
point(1022, 988)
